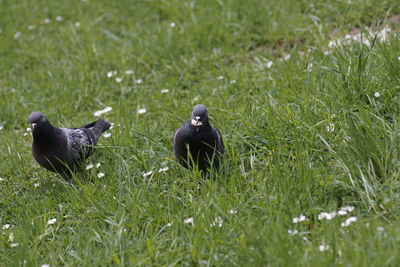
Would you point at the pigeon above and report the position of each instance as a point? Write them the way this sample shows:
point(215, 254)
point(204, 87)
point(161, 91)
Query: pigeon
point(202, 141)
point(62, 150)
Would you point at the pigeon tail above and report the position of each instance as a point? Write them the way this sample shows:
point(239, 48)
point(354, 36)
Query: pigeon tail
point(98, 127)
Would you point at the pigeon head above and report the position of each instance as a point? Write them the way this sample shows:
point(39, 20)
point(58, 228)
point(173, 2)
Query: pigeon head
point(37, 118)
point(199, 116)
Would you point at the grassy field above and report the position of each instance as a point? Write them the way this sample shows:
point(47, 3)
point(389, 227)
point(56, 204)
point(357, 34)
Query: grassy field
point(308, 108)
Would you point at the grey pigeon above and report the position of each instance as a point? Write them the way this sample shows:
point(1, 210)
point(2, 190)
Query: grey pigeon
point(202, 141)
point(62, 150)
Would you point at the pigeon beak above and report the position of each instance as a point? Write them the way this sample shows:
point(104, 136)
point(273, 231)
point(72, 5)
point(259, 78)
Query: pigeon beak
point(196, 121)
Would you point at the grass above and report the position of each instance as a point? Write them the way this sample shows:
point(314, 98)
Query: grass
point(300, 138)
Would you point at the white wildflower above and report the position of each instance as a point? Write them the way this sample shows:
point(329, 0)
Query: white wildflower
point(14, 245)
point(220, 77)
point(51, 221)
point(348, 221)
point(326, 215)
point(31, 27)
point(106, 135)
point(232, 211)
point(139, 81)
point(347, 208)
point(217, 222)
point(189, 220)
point(6, 226)
point(45, 265)
point(310, 67)
point(147, 173)
point(25, 134)
point(11, 237)
point(90, 166)
point(301, 218)
point(141, 111)
point(377, 94)
point(129, 72)
point(287, 57)
point(28, 129)
point(327, 52)
point(2, 179)
point(169, 224)
point(111, 73)
point(164, 91)
point(342, 212)
point(118, 79)
point(17, 35)
point(98, 164)
point(172, 24)
point(330, 128)
point(77, 24)
point(232, 82)
point(103, 111)
point(59, 18)
point(269, 64)
point(46, 21)
point(1, 127)
point(293, 232)
point(163, 169)
point(323, 247)
point(380, 229)
point(36, 184)
point(383, 35)
point(100, 175)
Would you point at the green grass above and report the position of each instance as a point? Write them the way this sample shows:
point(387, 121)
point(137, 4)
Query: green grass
point(297, 141)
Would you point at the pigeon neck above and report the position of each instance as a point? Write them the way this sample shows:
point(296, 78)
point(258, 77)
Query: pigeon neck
point(44, 133)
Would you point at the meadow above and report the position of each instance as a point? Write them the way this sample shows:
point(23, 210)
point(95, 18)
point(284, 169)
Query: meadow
point(305, 93)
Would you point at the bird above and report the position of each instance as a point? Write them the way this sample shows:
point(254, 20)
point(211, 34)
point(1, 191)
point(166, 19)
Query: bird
point(62, 150)
point(197, 143)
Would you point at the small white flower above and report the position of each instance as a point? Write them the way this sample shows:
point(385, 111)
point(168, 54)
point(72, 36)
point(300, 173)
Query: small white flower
point(36, 184)
point(292, 232)
point(59, 18)
point(347, 208)
point(6, 226)
point(103, 111)
point(100, 175)
point(232, 211)
point(147, 173)
point(28, 129)
point(129, 72)
point(31, 27)
point(287, 57)
point(14, 245)
point(326, 215)
point(51, 221)
point(377, 94)
point(17, 35)
point(269, 64)
point(398, 58)
point(327, 52)
point(112, 126)
point(25, 134)
point(46, 21)
point(380, 229)
point(333, 43)
point(111, 73)
point(323, 247)
point(330, 128)
point(189, 220)
point(220, 77)
point(349, 221)
point(217, 222)
point(2, 179)
point(141, 111)
point(90, 166)
point(301, 218)
point(45, 265)
point(164, 91)
point(232, 82)
point(98, 164)
point(106, 135)
point(77, 24)
point(342, 212)
point(1, 127)
point(118, 79)
point(139, 81)
point(172, 24)
point(163, 169)
point(11, 237)
point(169, 224)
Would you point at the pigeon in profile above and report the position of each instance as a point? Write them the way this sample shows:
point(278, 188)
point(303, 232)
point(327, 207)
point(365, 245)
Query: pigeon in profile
point(202, 141)
point(62, 150)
